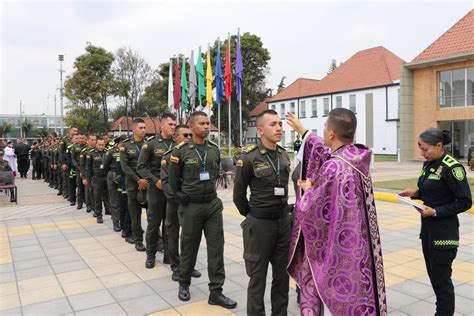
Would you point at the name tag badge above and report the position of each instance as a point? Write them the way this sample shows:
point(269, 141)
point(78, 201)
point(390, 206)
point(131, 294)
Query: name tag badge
point(101, 167)
point(204, 176)
point(279, 191)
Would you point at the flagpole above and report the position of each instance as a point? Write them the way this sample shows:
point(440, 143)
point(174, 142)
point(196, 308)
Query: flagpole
point(240, 102)
point(230, 99)
point(218, 105)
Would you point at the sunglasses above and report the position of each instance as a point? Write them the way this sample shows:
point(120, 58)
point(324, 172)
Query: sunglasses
point(187, 134)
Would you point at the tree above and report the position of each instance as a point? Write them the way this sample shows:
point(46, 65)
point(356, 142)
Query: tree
point(133, 74)
point(91, 85)
point(87, 120)
point(255, 60)
point(333, 66)
point(43, 132)
point(281, 85)
point(5, 129)
point(26, 126)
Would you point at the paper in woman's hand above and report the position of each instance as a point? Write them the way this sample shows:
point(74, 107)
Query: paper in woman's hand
point(410, 202)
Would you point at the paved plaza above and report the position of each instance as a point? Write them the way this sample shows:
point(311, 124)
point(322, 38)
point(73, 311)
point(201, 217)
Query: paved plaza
point(55, 260)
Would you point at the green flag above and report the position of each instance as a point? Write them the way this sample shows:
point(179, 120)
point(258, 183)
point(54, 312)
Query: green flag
point(200, 72)
point(184, 87)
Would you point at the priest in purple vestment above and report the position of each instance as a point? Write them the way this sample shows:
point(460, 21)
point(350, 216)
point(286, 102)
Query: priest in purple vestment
point(335, 254)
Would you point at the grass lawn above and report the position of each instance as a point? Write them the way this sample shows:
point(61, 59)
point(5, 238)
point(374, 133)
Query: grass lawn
point(379, 158)
point(409, 183)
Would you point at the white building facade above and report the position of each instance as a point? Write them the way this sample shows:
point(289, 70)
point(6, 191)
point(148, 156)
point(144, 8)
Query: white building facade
point(376, 109)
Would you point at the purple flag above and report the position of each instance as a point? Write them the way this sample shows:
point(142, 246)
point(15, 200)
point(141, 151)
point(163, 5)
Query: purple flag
point(238, 69)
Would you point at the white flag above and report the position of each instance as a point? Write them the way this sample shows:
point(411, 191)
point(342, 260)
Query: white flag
point(170, 89)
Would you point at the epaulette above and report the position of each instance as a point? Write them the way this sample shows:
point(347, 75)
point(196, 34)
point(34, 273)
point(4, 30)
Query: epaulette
point(212, 143)
point(150, 138)
point(449, 161)
point(180, 145)
point(127, 140)
point(249, 148)
point(281, 147)
point(92, 150)
point(168, 151)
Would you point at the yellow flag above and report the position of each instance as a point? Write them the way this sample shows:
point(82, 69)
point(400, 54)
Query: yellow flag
point(208, 78)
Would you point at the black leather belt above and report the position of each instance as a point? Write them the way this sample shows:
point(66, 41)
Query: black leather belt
point(270, 212)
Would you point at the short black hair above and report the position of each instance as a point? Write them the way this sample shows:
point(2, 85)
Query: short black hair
point(180, 126)
point(168, 115)
point(193, 115)
point(343, 122)
point(261, 115)
point(137, 120)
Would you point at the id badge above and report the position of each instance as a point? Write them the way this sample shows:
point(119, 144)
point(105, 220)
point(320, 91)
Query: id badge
point(279, 191)
point(203, 176)
point(101, 167)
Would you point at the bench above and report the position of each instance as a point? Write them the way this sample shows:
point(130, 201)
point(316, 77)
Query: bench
point(7, 183)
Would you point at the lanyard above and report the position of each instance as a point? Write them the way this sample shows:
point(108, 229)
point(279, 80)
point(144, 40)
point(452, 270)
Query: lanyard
point(277, 168)
point(101, 157)
point(203, 161)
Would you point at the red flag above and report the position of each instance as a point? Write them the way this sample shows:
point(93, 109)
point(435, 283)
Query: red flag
point(177, 87)
point(227, 73)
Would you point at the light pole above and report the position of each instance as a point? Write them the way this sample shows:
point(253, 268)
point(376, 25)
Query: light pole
point(21, 120)
point(61, 58)
point(55, 116)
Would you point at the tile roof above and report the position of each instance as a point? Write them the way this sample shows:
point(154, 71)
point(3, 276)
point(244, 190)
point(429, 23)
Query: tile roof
point(259, 108)
point(458, 40)
point(367, 68)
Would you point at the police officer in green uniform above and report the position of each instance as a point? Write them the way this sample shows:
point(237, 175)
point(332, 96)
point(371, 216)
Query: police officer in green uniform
point(445, 192)
point(265, 168)
point(62, 160)
point(148, 167)
point(76, 162)
point(237, 154)
point(98, 177)
point(4, 166)
point(45, 160)
point(125, 222)
point(128, 160)
point(110, 165)
point(193, 171)
point(181, 134)
point(57, 168)
point(88, 188)
point(36, 161)
point(71, 170)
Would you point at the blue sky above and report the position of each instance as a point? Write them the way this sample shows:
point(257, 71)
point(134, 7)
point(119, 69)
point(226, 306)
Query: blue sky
point(302, 37)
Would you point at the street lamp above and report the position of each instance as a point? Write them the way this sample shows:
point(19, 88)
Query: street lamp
point(61, 58)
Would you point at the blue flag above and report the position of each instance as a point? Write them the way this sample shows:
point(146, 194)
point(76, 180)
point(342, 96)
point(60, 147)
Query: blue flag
point(238, 69)
point(219, 78)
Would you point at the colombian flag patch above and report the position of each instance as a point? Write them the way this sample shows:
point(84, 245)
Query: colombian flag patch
point(174, 159)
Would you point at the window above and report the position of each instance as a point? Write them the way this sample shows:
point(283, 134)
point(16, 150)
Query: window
point(326, 106)
point(339, 102)
point(273, 106)
point(251, 123)
point(456, 87)
point(282, 110)
point(293, 136)
point(283, 140)
point(352, 103)
point(303, 109)
point(314, 108)
point(315, 131)
point(292, 107)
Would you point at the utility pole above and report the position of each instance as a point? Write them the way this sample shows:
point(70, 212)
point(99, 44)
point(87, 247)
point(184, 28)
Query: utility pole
point(55, 116)
point(61, 59)
point(21, 120)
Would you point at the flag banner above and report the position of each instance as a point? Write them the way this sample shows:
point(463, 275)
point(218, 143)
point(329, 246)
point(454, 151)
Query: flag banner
point(208, 78)
point(200, 74)
point(227, 73)
point(238, 69)
point(192, 82)
point(170, 88)
point(184, 87)
point(219, 79)
point(177, 86)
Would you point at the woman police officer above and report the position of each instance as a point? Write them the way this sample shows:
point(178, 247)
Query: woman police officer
point(445, 192)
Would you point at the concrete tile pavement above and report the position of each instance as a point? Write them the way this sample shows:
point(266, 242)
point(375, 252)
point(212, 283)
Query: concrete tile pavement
point(57, 260)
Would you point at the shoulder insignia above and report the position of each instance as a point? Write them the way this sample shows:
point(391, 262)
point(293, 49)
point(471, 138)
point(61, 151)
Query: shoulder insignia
point(81, 156)
point(174, 159)
point(181, 145)
point(127, 140)
point(150, 138)
point(212, 143)
point(145, 146)
point(281, 147)
point(163, 162)
point(449, 161)
point(88, 157)
point(459, 173)
point(92, 151)
point(168, 151)
point(240, 163)
point(250, 148)
point(122, 148)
